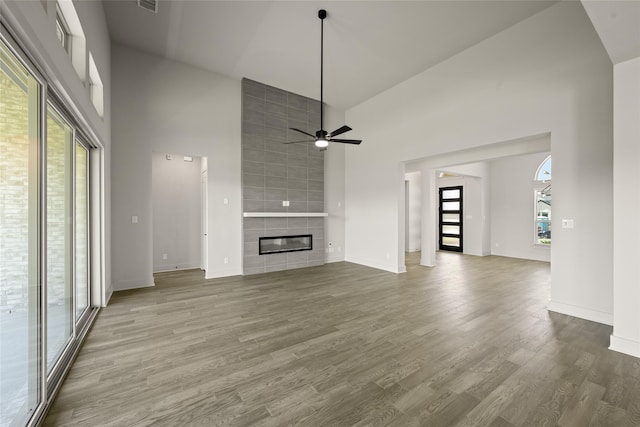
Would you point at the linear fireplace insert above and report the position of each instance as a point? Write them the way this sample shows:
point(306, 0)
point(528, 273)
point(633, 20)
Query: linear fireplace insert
point(280, 244)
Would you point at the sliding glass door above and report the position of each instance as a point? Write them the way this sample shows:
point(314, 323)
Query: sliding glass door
point(60, 316)
point(45, 239)
point(81, 249)
point(20, 316)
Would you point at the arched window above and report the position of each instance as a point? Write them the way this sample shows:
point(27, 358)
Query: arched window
point(544, 170)
point(542, 203)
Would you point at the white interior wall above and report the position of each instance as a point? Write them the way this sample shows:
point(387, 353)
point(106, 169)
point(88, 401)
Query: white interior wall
point(415, 211)
point(179, 108)
point(176, 212)
point(334, 181)
point(165, 106)
point(478, 170)
point(617, 26)
point(512, 207)
point(518, 83)
point(34, 25)
point(626, 196)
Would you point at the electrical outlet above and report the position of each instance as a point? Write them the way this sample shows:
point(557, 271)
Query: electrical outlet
point(226, 260)
point(165, 256)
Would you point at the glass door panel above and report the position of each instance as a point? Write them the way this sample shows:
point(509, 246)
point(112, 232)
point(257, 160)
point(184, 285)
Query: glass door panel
point(60, 317)
point(450, 206)
point(451, 194)
point(82, 229)
point(451, 241)
point(19, 291)
point(451, 229)
point(449, 217)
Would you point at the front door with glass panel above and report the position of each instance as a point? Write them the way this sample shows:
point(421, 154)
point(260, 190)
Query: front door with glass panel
point(450, 219)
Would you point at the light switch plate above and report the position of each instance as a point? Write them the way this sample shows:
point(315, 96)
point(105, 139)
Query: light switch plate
point(567, 223)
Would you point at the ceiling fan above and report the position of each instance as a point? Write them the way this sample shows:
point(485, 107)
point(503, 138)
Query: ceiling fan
point(322, 138)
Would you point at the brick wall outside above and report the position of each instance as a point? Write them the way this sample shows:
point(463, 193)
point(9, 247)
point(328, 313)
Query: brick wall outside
point(14, 201)
point(14, 196)
point(59, 146)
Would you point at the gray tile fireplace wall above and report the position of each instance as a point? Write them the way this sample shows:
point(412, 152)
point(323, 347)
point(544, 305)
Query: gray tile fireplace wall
point(273, 172)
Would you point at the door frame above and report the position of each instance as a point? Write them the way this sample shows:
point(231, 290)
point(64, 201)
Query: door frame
point(204, 222)
point(441, 223)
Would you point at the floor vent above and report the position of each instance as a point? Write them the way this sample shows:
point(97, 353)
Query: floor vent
point(151, 5)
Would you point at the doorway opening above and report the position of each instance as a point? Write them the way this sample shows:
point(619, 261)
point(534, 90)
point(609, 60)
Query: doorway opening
point(496, 209)
point(180, 219)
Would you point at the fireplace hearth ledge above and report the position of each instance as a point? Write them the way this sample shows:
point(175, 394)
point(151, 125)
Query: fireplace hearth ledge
point(283, 214)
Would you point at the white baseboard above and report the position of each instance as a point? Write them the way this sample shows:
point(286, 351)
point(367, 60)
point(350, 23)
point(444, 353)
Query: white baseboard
point(133, 284)
point(334, 258)
point(163, 268)
point(581, 312)
point(474, 253)
point(223, 273)
point(108, 296)
point(386, 267)
point(169, 270)
point(624, 345)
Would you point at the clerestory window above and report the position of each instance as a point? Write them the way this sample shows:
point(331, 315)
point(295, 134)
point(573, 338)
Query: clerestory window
point(62, 30)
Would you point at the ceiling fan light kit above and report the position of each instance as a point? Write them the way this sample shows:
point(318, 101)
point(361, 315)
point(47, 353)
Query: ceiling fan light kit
point(322, 143)
point(322, 138)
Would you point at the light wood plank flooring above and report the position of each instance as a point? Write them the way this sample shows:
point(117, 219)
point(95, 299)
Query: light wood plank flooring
point(467, 343)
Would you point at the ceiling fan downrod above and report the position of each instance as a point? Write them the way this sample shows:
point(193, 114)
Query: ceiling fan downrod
point(322, 137)
point(322, 14)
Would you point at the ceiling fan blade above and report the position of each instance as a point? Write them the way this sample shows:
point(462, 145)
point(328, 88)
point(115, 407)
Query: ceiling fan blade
point(301, 131)
point(347, 141)
point(297, 142)
point(339, 131)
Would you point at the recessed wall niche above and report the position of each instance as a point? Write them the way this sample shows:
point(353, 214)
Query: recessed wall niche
point(274, 172)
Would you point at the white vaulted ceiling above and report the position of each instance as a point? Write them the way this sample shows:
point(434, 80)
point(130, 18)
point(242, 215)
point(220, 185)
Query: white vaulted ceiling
point(370, 46)
point(618, 25)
